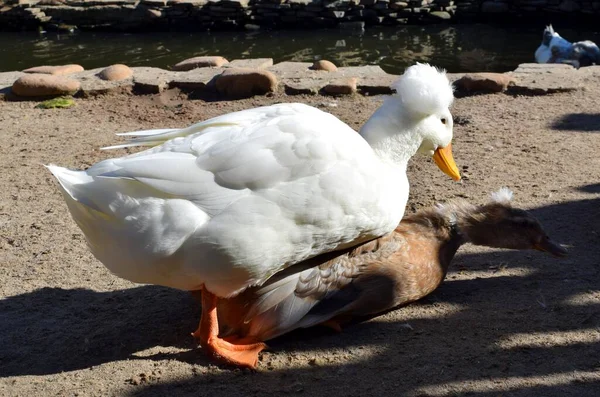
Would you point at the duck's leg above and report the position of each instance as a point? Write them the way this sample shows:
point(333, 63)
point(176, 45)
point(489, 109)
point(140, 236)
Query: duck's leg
point(332, 324)
point(234, 352)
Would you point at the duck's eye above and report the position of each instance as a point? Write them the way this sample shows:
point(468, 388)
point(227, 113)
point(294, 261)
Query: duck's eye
point(443, 120)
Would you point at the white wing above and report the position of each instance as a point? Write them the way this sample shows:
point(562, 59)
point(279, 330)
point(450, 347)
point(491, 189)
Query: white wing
point(237, 197)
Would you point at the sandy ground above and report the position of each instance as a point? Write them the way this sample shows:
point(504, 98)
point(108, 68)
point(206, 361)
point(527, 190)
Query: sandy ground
point(503, 324)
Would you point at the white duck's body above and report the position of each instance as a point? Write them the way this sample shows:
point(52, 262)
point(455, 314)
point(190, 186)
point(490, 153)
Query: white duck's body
point(226, 203)
point(550, 40)
point(555, 49)
point(226, 207)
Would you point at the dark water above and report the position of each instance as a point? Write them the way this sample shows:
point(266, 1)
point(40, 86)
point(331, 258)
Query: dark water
point(458, 48)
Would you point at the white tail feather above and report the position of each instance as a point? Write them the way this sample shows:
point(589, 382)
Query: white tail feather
point(160, 136)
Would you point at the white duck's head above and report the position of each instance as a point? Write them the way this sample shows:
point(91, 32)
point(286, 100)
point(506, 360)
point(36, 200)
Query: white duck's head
point(416, 119)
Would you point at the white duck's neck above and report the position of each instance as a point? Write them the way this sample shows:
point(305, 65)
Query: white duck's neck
point(392, 137)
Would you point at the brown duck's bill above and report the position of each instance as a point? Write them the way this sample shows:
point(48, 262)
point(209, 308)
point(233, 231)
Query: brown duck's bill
point(550, 246)
point(444, 160)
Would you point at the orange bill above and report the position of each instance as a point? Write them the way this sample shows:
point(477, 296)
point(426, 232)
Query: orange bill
point(444, 160)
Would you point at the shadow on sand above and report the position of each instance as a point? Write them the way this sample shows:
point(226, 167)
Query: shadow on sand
point(469, 349)
point(578, 122)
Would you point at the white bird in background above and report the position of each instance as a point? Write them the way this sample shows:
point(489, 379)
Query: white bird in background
point(224, 204)
point(555, 49)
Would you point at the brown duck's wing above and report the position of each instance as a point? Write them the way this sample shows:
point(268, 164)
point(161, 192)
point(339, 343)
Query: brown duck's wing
point(308, 296)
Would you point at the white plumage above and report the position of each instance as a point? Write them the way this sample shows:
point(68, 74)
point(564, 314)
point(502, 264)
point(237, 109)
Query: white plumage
point(226, 203)
point(555, 49)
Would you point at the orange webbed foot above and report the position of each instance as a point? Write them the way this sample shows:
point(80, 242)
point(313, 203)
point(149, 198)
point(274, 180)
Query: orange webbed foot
point(241, 352)
point(233, 351)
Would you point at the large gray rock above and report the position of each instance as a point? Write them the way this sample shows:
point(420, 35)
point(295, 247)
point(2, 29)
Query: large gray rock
point(148, 80)
point(539, 79)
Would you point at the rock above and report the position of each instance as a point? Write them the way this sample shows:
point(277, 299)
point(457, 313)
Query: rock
point(341, 86)
point(149, 80)
point(200, 62)
point(292, 69)
point(36, 85)
point(55, 70)
point(92, 84)
point(484, 82)
point(196, 79)
point(303, 86)
point(153, 14)
point(257, 63)
point(116, 72)
point(542, 79)
point(244, 83)
point(443, 15)
point(8, 78)
point(324, 65)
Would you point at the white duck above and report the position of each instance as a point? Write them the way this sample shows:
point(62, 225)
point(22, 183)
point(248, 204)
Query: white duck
point(555, 49)
point(224, 204)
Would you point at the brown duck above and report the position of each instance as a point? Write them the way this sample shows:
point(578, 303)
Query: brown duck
point(382, 274)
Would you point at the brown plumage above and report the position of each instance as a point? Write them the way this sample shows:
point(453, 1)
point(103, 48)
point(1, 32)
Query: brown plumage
point(372, 278)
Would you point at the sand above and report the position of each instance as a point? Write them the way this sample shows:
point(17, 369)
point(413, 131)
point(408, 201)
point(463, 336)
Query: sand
point(504, 323)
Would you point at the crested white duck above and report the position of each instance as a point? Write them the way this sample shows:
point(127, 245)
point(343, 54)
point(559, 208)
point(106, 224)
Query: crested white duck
point(226, 203)
point(555, 49)
point(382, 274)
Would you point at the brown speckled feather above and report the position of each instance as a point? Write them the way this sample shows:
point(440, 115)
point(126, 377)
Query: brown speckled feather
point(378, 275)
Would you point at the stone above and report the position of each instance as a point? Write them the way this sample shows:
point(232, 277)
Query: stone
point(291, 69)
point(55, 70)
point(8, 78)
point(195, 80)
point(37, 85)
point(151, 13)
point(257, 63)
point(149, 80)
point(341, 86)
point(324, 65)
point(542, 79)
point(303, 86)
point(92, 84)
point(484, 82)
point(200, 62)
point(443, 15)
point(116, 72)
point(244, 83)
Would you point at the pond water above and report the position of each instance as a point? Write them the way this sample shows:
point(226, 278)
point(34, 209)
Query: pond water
point(458, 48)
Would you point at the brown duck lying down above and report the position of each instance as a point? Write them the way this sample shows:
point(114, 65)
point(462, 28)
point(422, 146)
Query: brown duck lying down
point(379, 275)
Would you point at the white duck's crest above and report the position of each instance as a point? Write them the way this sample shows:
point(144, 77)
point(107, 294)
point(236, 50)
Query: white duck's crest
point(503, 195)
point(424, 89)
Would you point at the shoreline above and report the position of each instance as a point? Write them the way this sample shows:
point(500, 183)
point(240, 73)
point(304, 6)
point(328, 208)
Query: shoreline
point(243, 78)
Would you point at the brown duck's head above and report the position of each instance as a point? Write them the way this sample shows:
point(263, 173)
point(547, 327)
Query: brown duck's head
point(498, 224)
